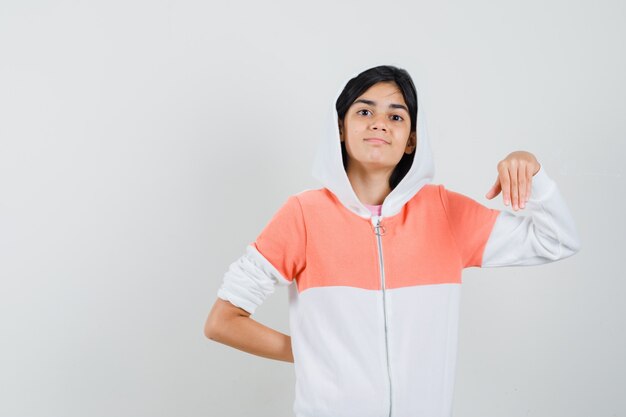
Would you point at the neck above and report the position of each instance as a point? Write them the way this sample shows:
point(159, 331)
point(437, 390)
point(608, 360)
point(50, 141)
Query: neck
point(370, 186)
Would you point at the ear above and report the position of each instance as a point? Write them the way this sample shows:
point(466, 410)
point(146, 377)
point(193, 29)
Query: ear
point(340, 125)
point(411, 144)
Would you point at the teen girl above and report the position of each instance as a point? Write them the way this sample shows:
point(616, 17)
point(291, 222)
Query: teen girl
point(373, 260)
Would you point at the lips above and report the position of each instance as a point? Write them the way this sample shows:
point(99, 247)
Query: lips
point(376, 140)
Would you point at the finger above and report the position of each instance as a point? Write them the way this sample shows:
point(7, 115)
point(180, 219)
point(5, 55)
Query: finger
point(521, 174)
point(514, 187)
point(495, 190)
point(505, 183)
point(529, 174)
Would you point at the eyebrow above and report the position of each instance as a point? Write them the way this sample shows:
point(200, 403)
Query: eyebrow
point(373, 103)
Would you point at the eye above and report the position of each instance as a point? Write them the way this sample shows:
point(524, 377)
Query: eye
point(399, 118)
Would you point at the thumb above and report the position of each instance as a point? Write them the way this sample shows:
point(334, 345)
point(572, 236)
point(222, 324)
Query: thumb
point(495, 189)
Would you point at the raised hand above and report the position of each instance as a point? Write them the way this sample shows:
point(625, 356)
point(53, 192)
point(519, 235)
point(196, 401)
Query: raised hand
point(515, 173)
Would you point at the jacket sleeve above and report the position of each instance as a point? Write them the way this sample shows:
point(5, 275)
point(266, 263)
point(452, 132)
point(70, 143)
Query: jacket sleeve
point(470, 224)
point(488, 237)
point(546, 234)
point(276, 257)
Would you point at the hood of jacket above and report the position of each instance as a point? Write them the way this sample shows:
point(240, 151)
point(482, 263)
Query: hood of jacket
point(329, 171)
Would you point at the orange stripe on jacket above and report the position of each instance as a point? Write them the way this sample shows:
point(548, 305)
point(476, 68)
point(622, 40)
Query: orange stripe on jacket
point(316, 240)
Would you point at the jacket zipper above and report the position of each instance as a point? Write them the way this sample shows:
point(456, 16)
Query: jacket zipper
point(376, 220)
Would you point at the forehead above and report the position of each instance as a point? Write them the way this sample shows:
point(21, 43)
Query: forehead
point(387, 90)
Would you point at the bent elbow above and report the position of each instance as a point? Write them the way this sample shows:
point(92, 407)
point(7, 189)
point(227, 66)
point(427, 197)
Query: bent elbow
point(556, 246)
point(220, 317)
point(572, 248)
point(572, 244)
point(209, 330)
point(566, 249)
point(212, 323)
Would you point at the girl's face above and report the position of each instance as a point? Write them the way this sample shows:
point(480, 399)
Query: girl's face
point(377, 129)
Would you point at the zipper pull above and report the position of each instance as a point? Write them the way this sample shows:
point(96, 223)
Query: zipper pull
point(378, 227)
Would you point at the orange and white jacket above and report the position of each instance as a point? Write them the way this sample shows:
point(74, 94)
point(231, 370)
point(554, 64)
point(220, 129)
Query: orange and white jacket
point(374, 300)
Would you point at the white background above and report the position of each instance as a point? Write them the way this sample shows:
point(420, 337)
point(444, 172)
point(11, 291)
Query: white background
point(143, 145)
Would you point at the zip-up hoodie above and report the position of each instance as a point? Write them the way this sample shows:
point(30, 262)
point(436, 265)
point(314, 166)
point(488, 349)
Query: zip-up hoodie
point(374, 300)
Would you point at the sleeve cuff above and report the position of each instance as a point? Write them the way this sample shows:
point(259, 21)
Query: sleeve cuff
point(542, 185)
point(237, 301)
point(248, 281)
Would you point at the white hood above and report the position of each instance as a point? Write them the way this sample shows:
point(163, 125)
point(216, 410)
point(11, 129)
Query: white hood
point(328, 166)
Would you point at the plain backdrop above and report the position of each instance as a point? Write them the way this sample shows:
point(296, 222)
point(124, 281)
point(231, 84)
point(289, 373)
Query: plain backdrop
point(144, 144)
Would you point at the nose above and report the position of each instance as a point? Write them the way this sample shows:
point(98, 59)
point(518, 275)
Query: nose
point(379, 123)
